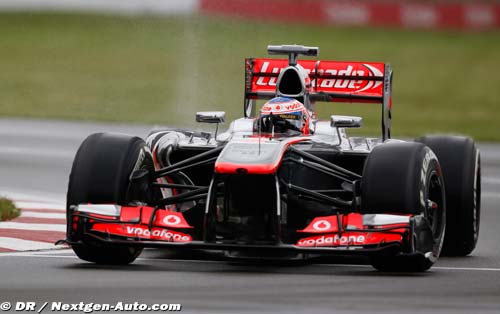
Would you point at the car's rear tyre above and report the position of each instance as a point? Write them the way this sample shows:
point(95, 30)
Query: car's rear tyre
point(405, 178)
point(461, 164)
point(100, 175)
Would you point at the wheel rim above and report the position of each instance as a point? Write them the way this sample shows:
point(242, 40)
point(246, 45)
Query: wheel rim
point(435, 205)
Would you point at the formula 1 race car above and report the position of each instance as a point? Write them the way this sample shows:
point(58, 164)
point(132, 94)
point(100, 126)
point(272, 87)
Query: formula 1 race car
point(280, 183)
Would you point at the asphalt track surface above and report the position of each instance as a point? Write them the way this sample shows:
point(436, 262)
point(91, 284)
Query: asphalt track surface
point(35, 159)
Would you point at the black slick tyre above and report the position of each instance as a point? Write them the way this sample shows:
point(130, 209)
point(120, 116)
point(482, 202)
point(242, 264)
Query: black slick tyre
point(405, 178)
point(461, 163)
point(100, 175)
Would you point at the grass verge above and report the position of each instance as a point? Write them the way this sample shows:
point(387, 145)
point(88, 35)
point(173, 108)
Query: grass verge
point(8, 210)
point(164, 69)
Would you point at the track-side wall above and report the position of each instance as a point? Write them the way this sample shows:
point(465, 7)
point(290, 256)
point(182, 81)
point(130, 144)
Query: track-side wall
point(443, 14)
point(475, 15)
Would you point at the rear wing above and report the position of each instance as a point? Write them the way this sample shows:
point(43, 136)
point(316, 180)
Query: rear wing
point(329, 81)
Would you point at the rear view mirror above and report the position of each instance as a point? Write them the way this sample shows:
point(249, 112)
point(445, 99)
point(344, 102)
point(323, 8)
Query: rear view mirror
point(211, 116)
point(346, 121)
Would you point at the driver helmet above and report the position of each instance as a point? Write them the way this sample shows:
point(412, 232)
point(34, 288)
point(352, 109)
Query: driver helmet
point(291, 112)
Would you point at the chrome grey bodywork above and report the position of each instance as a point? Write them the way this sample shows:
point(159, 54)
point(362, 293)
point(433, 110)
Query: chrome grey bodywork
point(324, 132)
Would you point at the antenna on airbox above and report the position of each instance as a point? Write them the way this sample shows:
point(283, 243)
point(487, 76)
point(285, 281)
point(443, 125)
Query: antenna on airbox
point(293, 51)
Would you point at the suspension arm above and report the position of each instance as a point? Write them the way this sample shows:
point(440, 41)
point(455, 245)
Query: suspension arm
point(321, 197)
point(353, 176)
point(197, 160)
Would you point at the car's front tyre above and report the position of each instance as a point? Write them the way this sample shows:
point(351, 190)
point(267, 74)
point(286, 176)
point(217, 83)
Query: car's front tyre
point(405, 178)
point(100, 175)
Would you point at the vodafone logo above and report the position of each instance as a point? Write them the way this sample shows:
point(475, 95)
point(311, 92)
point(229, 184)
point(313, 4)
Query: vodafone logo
point(163, 234)
point(171, 220)
point(322, 225)
point(333, 240)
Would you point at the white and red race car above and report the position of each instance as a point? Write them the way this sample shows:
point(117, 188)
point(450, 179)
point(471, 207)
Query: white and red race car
point(280, 183)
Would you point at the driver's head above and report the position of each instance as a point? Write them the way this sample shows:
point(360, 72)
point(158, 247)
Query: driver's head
point(284, 114)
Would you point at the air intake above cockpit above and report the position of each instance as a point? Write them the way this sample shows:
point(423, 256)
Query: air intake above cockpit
point(290, 83)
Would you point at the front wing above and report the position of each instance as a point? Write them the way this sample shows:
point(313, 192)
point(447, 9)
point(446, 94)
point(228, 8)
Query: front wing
point(143, 226)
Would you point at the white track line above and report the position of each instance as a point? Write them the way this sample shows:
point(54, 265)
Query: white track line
point(34, 197)
point(34, 153)
point(48, 255)
point(33, 227)
point(40, 205)
point(433, 267)
point(44, 253)
point(25, 245)
point(42, 215)
point(466, 268)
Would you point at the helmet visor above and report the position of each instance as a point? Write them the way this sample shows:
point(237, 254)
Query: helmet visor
point(294, 118)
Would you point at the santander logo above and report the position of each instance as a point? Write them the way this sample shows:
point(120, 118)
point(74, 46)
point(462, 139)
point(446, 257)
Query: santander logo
point(333, 83)
point(352, 84)
point(263, 81)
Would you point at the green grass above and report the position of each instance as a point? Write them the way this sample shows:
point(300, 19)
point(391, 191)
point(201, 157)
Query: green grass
point(8, 210)
point(163, 70)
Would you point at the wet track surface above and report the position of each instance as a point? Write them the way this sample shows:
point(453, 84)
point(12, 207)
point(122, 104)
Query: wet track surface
point(35, 158)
